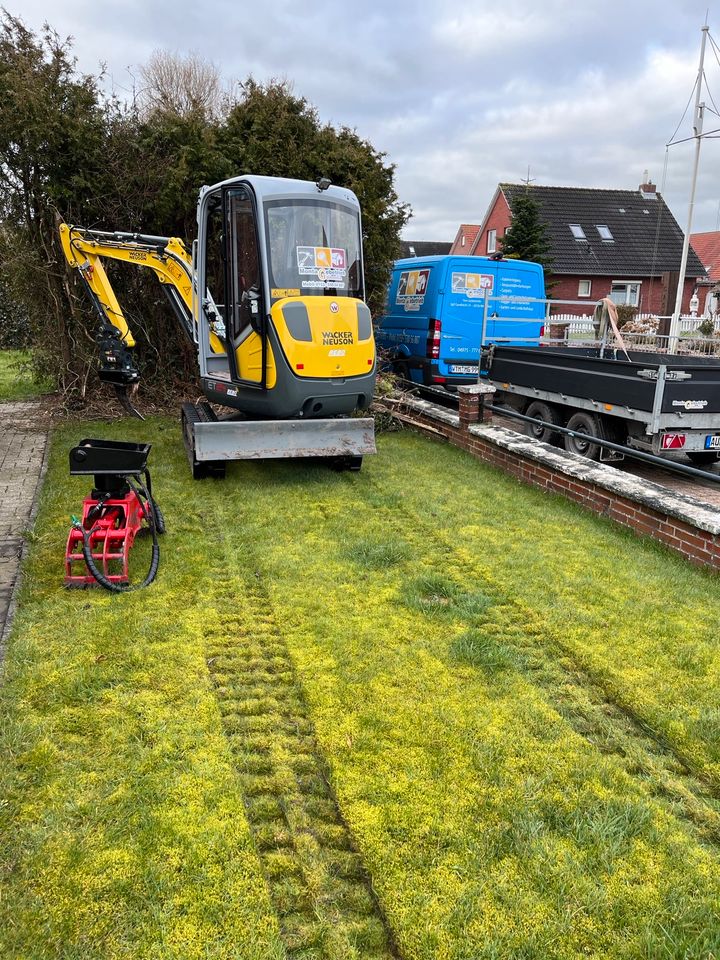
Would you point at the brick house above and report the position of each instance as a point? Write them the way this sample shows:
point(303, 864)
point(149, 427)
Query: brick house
point(707, 247)
point(625, 244)
point(465, 239)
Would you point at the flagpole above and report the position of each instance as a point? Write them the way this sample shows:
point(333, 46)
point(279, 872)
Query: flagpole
point(697, 133)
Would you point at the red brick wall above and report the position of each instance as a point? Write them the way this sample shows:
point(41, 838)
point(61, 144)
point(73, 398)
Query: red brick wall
point(652, 293)
point(696, 545)
point(498, 220)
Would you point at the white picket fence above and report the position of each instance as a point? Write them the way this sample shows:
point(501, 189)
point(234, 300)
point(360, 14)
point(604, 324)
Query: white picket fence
point(577, 327)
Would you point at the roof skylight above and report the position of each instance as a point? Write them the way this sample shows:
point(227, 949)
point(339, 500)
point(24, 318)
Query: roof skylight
point(577, 231)
point(604, 231)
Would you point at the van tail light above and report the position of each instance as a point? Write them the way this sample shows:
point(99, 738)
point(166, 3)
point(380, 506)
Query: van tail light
point(433, 340)
point(542, 331)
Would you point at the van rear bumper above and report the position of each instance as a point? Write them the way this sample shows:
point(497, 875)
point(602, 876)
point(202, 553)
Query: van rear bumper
point(429, 372)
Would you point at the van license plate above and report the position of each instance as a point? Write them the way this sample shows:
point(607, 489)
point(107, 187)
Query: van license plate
point(469, 368)
point(712, 442)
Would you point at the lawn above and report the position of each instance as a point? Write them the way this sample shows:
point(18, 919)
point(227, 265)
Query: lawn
point(16, 379)
point(419, 711)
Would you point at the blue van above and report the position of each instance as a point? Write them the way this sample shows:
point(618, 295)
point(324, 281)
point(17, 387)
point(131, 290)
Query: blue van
point(433, 322)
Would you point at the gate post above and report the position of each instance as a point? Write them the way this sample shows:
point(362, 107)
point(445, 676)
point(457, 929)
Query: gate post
point(474, 400)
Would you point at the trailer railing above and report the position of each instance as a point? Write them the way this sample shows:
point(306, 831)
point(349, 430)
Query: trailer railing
point(580, 331)
point(686, 346)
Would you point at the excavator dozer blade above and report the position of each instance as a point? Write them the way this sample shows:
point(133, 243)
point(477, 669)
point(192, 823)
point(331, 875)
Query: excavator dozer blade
point(273, 439)
point(121, 390)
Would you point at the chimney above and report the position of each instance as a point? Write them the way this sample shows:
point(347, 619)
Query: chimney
point(647, 186)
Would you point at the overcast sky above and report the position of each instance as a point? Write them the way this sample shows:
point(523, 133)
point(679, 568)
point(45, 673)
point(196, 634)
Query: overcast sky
point(460, 95)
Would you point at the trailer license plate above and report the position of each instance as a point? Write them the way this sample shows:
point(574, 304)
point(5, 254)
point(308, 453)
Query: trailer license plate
point(463, 368)
point(712, 442)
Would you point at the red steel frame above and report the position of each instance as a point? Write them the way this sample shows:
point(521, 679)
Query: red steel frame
point(113, 530)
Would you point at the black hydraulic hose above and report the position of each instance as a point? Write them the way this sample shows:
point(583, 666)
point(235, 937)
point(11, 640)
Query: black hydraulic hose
point(656, 461)
point(99, 576)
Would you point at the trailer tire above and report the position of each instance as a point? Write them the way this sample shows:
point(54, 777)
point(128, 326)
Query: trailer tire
point(542, 411)
point(702, 459)
point(589, 424)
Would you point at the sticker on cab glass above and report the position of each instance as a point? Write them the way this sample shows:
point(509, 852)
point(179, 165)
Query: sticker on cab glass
point(412, 288)
point(279, 293)
point(328, 265)
point(472, 284)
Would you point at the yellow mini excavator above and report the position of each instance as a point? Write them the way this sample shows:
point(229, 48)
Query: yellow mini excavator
point(273, 299)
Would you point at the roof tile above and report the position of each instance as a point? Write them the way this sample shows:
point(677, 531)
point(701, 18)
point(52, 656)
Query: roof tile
point(647, 240)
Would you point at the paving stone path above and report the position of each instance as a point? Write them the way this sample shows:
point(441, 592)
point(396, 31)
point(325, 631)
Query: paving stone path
point(23, 443)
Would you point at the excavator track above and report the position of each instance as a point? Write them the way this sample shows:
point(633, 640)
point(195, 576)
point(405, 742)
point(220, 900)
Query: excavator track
point(192, 413)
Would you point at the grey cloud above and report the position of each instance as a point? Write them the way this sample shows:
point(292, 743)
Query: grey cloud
point(460, 94)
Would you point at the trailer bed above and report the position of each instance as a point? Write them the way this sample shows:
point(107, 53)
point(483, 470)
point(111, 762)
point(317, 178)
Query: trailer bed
point(662, 390)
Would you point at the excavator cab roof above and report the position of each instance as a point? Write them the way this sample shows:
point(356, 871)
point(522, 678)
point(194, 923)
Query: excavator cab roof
point(277, 188)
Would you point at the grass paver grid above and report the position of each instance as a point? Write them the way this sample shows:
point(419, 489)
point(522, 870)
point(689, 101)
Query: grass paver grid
point(367, 662)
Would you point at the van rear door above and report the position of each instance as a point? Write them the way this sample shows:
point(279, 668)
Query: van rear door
point(412, 303)
point(462, 314)
point(520, 323)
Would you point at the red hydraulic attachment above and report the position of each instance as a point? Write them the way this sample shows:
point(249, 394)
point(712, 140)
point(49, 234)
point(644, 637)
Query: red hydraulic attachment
point(114, 522)
point(118, 507)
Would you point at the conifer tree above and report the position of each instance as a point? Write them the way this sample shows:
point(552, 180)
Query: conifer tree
point(526, 237)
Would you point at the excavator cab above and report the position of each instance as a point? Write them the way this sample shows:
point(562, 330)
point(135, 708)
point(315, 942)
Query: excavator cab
point(273, 298)
point(281, 263)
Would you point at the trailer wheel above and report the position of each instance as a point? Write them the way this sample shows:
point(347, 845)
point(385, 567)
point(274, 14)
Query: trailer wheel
point(701, 459)
point(546, 412)
point(589, 424)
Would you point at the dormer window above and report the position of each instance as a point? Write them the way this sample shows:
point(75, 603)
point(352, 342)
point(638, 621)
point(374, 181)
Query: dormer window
point(577, 231)
point(604, 232)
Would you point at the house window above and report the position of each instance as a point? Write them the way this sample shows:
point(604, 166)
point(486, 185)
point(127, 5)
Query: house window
point(584, 288)
point(577, 231)
point(604, 232)
point(462, 242)
point(626, 292)
point(491, 241)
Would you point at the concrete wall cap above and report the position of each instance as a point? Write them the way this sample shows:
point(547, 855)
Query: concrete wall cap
point(475, 389)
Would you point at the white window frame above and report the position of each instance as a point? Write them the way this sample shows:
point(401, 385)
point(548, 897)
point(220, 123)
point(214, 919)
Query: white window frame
point(491, 241)
point(577, 231)
point(588, 291)
point(603, 226)
point(627, 284)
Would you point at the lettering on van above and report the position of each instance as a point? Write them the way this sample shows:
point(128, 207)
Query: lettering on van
point(472, 284)
point(412, 287)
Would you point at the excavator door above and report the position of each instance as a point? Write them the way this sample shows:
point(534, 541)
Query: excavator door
point(250, 353)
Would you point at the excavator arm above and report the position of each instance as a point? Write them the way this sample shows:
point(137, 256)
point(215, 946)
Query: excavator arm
point(167, 258)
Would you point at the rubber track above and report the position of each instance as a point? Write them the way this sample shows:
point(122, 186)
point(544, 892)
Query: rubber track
point(319, 888)
point(593, 710)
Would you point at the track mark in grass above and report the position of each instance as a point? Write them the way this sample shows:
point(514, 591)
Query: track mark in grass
point(503, 634)
point(325, 903)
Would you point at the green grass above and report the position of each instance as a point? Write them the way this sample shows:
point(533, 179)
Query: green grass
point(16, 379)
point(514, 703)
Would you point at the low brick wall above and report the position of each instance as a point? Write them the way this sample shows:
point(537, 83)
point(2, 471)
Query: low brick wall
point(685, 525)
